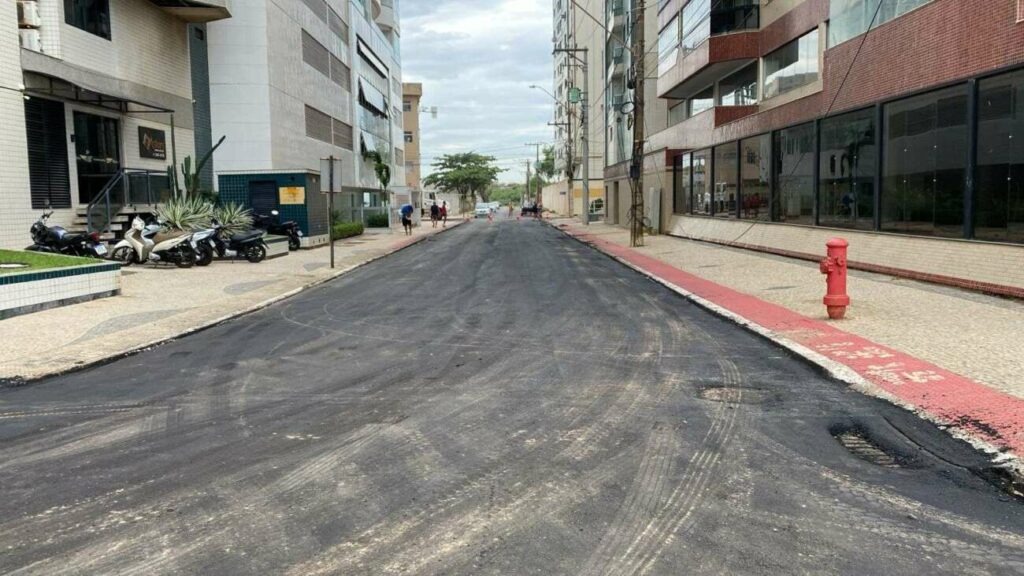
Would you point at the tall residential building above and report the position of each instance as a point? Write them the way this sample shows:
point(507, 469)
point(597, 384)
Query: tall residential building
point(96, 100)
point(296, 81)
point(411, 96)
point(884, 121)
point(575, 26)
point(619, 119)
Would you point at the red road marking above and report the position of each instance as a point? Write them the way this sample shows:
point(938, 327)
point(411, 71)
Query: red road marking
point(983, 412)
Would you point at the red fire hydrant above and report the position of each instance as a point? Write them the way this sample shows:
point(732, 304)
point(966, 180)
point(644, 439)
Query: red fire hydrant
point(834, 267)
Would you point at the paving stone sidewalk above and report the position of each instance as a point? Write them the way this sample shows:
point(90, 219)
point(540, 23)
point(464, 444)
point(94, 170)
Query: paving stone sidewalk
point(158, 303)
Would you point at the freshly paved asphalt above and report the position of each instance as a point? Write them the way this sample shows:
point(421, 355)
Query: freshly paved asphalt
point(499, 399)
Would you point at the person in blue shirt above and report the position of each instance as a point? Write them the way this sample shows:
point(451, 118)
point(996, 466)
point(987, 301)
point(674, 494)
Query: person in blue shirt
point(406, 211)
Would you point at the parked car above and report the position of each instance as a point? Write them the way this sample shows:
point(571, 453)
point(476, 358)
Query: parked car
point(482, 210)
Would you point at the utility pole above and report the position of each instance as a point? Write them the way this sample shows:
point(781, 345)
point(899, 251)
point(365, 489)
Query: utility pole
point(527, 189)
point(585, 121)
point(528, 182)
point(636, 169)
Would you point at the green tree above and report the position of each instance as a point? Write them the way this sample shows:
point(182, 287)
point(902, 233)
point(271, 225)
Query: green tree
point(468, 174)
point(506, 193)
point(547, 166)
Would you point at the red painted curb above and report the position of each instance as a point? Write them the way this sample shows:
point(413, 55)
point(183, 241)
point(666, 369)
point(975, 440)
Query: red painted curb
point(981, 412)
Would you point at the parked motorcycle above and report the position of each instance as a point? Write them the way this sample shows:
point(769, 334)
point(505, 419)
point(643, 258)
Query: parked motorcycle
point(273, 225)
point(141, 244)
point(203, 245)
point(56, 240)
point(249, 244)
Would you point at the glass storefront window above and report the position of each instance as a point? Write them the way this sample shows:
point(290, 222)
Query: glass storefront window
point(701, 187)
point(792, 66)
point(925, 162)
point(682, 185)
point(847, 171)
point(755, 177)
point(999, 185)
point(794, 174)
point(740, 89)
point(850, 18)
point(703, 100)
point(726, 171)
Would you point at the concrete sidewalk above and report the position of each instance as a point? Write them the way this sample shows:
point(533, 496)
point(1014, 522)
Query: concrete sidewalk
point(161, 303)
point(953, 355)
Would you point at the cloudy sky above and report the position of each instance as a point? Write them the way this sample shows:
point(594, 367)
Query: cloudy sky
point(476, 60)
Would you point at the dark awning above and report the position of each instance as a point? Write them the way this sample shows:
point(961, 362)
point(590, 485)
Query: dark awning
point(372, 98)
point(368, 141)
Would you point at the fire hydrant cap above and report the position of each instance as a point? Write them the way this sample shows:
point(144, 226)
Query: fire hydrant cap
point(837, 243)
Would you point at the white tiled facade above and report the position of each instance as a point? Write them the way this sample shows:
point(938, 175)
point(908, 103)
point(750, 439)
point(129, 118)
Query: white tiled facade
point(260, 87)
point(15, 209)
point(20, 297)
point(146, 60)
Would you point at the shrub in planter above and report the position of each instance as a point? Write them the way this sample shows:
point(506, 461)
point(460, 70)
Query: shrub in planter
point(377, 220)
point(346, 230)
point(233, 217)
point(185, 214)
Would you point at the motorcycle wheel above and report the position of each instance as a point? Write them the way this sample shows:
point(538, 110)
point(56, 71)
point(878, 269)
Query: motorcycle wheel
point(186, 257)
point(294, 243)
point(124, 255)
point(204, 255)
point(256, 253)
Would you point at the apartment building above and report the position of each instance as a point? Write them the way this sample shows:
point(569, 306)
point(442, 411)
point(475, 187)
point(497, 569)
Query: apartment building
point(96, 100)
point(620, 118)
point(898, 124)
point(296, 81)
point(412, 94)
point(575, 27)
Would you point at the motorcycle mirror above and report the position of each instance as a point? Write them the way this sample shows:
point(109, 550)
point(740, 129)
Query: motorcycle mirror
point(275, 213)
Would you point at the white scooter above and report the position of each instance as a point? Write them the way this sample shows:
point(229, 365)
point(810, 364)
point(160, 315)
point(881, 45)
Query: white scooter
point(141, 245)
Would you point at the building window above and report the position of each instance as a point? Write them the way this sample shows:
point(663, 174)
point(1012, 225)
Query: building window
point(342, 133)
point(318, 125)
point(850, 18)
point(794, 174)
point(337, 25)
point(792, 66)
point(847, 162)
point(703, 100)
point(668, 46)
point(755, 177)
point(701, 186)
point(93, 16)
point(1020, 10)
point(682, 185)
point(999, 196)
point(925, 162)
point(341, 74)
point(696, 26)
point(315, 54)
point(408, 137)
point(676, 112)
point(726, 170)
point(406, 106)
point(732, 15)
point(740, 89)
point(47, 154)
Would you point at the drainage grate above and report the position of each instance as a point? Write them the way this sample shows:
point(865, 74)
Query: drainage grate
point(864, 449)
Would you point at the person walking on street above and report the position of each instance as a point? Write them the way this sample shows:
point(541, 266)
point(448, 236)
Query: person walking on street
point(435, 214)
point(444, 214)
point(407, 218)
point(510, 209)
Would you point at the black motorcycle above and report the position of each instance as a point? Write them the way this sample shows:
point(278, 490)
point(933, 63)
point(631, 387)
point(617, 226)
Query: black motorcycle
point(56, 240)
point(249, 245)
point(273, 225)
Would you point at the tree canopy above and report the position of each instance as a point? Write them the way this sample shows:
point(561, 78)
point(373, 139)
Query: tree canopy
point(547, 165)
point(468, 174)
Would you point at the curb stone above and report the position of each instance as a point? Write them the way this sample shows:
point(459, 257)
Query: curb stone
point(19, 381)
point(1003, 462)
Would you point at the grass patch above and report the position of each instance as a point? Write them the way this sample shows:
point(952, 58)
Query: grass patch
point(39, 261)
point(347, 230)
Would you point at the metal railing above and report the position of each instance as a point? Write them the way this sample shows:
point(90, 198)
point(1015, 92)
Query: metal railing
point(128, 187)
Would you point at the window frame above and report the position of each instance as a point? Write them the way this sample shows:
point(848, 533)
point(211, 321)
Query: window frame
point(764, 90)
point(102, 25)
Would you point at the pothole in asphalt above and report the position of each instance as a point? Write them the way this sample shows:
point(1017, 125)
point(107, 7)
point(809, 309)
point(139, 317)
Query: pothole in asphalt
point(862, 447)
point(734, 395)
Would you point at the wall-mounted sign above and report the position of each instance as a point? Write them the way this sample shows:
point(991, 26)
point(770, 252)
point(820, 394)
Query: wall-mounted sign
point(291, 195)
point(152, 143)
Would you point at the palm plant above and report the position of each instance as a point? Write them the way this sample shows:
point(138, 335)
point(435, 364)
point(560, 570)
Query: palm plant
point(233, 218)
point(185, 214)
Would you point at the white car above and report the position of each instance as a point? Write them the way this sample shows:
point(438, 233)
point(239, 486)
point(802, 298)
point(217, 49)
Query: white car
point(482, 210)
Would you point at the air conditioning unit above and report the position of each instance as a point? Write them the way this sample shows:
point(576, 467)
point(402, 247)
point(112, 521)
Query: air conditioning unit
point(28, 14)
point(30, 39)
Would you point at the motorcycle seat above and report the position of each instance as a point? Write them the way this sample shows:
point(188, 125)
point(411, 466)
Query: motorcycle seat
point(247, 235)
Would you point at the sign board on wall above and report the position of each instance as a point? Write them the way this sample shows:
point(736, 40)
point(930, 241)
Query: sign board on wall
point(152, 143)
point(291, 195)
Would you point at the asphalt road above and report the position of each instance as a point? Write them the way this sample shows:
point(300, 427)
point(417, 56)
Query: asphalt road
point(499, 399)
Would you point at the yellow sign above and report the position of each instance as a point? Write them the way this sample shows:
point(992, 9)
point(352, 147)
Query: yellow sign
point(292, 195)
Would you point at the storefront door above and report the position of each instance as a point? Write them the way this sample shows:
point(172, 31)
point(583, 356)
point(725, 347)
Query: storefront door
point(98, 153)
